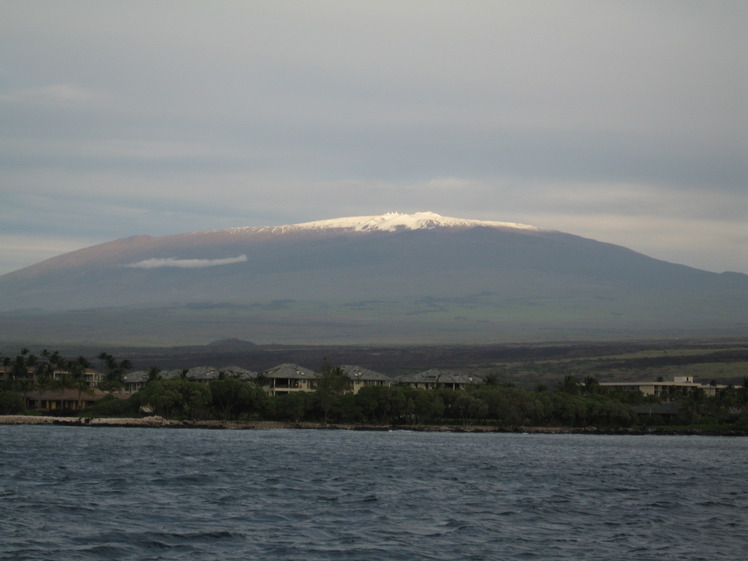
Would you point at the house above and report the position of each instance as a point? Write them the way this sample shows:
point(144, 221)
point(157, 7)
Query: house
point(436, 378)
point(679, 387)
point(170, 374)
point(66, 399)
point(363, 377)
point(135, 381)
point(288, 378)
point(206, 374)
point(238, 372)
point(91, 377)
point(202, 374)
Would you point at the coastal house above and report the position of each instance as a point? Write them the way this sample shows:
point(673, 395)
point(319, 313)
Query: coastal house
point(206, 374)
point(238, 372)
point(288, 378)
point(135, 381)
point(363, 377)
point(170, 374)
point(91, 377)
point(66, 399)
point(202, 374)
point(675, 389)
point(437, 378)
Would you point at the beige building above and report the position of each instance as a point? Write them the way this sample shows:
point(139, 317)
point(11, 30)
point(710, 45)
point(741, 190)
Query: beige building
point(135, 381)
point(436, 378)
point(289, 378)
point(66, 399)
point(92, 377)
point(364, 378)
point(675, 388)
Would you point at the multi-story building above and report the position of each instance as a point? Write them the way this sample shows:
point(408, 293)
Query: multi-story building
point(678, 387)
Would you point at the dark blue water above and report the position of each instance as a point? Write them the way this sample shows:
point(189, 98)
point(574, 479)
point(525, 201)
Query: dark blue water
point(128, 493)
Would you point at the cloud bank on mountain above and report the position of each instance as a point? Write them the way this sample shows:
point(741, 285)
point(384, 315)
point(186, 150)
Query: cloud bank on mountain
point(156, 263)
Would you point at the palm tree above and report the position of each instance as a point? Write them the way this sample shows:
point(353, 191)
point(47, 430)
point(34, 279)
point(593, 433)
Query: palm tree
point(115, 369)
point(153, 373)
point(77, 369)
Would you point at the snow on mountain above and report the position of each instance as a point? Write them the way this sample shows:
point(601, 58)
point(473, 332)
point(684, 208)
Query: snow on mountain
point(391, 222)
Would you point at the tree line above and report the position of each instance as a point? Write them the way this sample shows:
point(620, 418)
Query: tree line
point(480, 404)
point(52, 371)
point(570, 403)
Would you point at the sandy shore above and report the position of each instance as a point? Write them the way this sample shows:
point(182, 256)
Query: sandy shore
point(160, 422)
point(157, 422)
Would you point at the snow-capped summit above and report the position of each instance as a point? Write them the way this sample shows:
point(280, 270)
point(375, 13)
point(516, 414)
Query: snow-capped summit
point(388, 278)
point(393, 221)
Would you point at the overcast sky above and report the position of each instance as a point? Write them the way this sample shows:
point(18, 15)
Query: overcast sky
point(626, 122)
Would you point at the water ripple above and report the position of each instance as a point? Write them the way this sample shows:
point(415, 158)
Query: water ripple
point(115, 493)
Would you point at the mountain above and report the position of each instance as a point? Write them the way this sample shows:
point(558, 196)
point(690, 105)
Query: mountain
point(390, 278)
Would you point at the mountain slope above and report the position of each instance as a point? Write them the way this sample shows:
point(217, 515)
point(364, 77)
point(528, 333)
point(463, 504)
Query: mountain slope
point(422, 274)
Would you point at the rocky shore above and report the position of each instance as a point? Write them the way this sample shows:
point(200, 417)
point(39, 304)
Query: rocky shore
point(160, 422)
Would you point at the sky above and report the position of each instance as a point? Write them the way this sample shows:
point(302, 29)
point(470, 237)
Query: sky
point(621, 121)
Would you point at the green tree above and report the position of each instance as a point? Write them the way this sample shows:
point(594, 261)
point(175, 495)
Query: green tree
point(569, 385)
point(231, 398)
point(503, 404)
point(331, 384)
point(261, 380)
point(11, 403)
point(375, 404)
point(177, 398)
point(427, 405)
point(491, 380)
point(77, 370)
point(590, 385)
point(292, 406)
point(115, 370)
point(467, 406)
point(111, 406)
point(694, 405)
point(153, 373)
point(345, 409)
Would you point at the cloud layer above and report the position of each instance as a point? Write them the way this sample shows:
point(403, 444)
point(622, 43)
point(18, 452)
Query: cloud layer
point(624, 121)
point(157, 263)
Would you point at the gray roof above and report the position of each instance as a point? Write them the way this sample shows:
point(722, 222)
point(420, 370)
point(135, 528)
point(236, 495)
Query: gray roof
point(438, 376)
point(290, 371)
point(238, 372)
point(359, 373)
point(135, 377)
point(202, 373)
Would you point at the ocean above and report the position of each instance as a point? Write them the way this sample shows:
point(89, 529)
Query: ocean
point(85, 493)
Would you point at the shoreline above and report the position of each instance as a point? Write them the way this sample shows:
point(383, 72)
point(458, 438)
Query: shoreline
point(160, 422)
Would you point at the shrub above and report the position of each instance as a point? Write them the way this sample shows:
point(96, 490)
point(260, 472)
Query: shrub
point(110, 406)
point(11, 403)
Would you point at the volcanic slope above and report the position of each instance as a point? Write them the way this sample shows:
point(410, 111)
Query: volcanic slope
point(420, 277)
